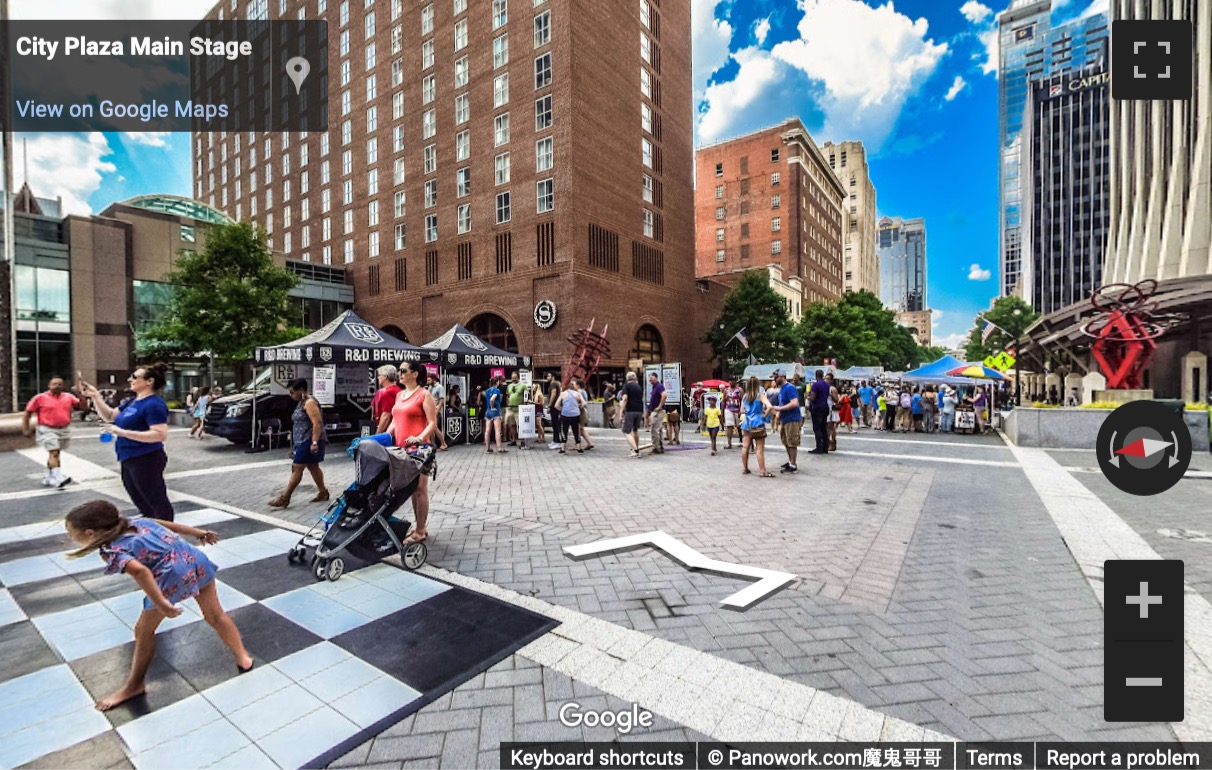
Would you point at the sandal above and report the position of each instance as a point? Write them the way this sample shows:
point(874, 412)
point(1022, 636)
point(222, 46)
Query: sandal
point(279, 502)
point(489, 451)
point(321, 497)
point(413, 538)
point(767, 475)
point(746, 472)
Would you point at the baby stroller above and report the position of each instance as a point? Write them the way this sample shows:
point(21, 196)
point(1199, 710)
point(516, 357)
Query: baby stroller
point(360, 522)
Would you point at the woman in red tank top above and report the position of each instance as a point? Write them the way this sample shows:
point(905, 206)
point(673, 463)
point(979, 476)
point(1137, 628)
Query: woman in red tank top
point(414, 420)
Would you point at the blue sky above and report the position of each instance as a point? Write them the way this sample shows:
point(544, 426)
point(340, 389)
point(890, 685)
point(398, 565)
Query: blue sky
point(913, 79)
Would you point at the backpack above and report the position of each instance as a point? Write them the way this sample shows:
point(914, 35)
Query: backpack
point(906, 400)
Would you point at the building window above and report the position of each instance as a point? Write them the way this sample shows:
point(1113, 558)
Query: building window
point(776, 247)
point(646, 152)
point(462, 109)
point(372, 214)
point(648, 345)
point(544, 154)
point(397, 99)
point(372, 151)
point(776, 224)
point(459, 6)
point(431, 193)
point(348, 251)
point(500, 90)
point(542, 29)
point(370, 57)
point(373, 243)
point(647, 189)
point(719, 191)
point(346, 104)
point(397, 139)
point(188, 234)
point(645, 14)
point(500, 13)
point(502, 173)
point(427, 54)
point(462, 72)
point(542, 113)
point(719, 169)
point(460, 35)
point(648, 223)
point(398, 205)
point(719, 213)
point(431, 158)
point(719, 255)
point(775, 201)
point(464, 218)
point(775, 178)
point(427, 19)
point(431, 228)
point(368, 24)
point(645, 117)
point(500, 51)
point(462, 145)
point(542, 71)
point(645, 83)
point(545, 195)
point(429, 88)
point(401, 232)
point(502, 207)
point(645, 48)
point(429, 124)
point(500, 126)
point(719, 234)
point(398, 172)
point(347, 219)
point(463, 182)
point(774, 155)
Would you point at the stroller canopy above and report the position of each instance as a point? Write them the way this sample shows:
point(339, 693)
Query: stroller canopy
point(371, 457)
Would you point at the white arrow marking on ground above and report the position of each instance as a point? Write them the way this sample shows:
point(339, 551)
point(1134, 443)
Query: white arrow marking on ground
point(769, 581)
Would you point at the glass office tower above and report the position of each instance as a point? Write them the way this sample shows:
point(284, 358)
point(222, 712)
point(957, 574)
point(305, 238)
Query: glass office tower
point(1031, 49)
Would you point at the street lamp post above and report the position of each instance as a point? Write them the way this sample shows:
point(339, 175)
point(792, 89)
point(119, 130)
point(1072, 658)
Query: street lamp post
point(1018, 381)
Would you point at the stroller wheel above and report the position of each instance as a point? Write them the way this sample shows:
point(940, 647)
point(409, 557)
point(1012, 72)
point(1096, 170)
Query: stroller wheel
point(414, 555)
point(319, 568)
point(295, 555)
point(336, 568)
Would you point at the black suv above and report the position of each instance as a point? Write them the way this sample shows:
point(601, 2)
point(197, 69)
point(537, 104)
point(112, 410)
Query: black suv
point(231, 417)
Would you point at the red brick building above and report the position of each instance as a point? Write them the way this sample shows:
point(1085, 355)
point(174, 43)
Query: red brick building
point(769, 197)
point(484, 157)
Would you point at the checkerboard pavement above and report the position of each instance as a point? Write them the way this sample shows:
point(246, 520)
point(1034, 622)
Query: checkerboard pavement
point(338, 662)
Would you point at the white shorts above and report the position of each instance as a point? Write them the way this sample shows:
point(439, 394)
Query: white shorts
point(835, 415)
point(53, 439)
point(729, 419)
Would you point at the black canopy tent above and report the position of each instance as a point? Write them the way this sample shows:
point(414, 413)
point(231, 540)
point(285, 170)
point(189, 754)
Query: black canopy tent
point(347, 339)
point(458, 347)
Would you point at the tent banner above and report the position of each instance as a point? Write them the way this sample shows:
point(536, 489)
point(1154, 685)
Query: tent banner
point(324, 385)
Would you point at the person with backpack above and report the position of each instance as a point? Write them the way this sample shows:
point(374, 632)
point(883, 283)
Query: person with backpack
point(904, 412)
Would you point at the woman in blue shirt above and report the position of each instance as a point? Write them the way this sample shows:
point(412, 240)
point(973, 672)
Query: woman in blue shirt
point(140, 425)
point(492, 414)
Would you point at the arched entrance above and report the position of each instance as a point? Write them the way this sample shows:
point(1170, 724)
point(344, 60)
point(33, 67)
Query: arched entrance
point(396, 332)
point(494, 330)
point(648, 345)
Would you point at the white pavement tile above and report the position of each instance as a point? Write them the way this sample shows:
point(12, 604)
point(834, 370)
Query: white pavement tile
point(307, 738)
point(201, 747)
point(168, 724)
point(10, 611)
point(246, 689)
point(275, 711)
point(375, 701)
point(310, 661)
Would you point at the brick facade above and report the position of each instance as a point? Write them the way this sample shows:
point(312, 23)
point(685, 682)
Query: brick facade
point(591, 255)
point(739, 203)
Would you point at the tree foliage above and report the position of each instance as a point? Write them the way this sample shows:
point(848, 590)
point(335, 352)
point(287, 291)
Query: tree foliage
point(857, 331)
point(1012, 315)
point(758, 309)
point(228, 299)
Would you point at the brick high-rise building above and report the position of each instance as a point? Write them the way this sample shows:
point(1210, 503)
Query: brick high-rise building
point(861, 263)
point(484, 157)
point(769, 197)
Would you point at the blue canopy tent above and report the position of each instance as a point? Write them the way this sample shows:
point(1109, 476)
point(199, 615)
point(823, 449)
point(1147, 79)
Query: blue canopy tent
point(936, 371)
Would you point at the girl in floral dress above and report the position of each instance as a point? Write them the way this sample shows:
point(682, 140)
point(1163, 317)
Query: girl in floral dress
point(168, 569)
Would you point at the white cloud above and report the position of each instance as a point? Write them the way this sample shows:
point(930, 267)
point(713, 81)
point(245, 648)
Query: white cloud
point(976, 273)
point(936, 316)
point(757, 82)
point(761, 30)
point(975, 12)
point(68, 166)
point(147, 138)
point(958, 85)
point(869, 60)
point(1096, 7)
point(111, 9)
point(990, 40)
point(710, 38)
point(951, 341)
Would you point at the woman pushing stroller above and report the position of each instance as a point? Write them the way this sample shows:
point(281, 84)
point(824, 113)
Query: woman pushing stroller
point(414, 420)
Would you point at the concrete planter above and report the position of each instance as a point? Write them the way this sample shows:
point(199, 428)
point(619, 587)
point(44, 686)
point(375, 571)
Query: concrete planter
point(180, 418)
point(1078, 428)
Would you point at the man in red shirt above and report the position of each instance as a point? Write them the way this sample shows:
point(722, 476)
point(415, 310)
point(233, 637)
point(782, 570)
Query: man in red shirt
point(54, 411)
point(385, 397)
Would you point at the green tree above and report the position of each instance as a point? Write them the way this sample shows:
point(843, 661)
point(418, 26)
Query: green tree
point(857, 331)
point(758, 309)
point(227, 299)
point(928, 353)
point(1011, 315)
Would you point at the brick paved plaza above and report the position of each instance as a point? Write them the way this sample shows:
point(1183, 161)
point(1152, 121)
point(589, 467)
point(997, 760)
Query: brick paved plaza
point(946, 587)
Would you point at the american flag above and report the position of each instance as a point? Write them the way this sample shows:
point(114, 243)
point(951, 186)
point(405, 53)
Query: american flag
point(987, 331)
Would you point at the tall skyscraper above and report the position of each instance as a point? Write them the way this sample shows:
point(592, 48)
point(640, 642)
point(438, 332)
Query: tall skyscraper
point(902, 251)
point(861, 265)
point(1066, 184)
point(1031, 49)
point(1161, 170)
point(769, 197)
point(484, 159)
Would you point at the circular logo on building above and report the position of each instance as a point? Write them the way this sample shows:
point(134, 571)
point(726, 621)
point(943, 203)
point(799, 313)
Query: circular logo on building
point(545, 314)
point(1144, 447)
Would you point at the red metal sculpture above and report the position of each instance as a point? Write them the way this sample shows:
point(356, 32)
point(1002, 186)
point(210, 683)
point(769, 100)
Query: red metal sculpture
point(588, 350)
point(1125, 331)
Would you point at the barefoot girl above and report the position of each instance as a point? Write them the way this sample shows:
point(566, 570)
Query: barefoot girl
point(169, 571)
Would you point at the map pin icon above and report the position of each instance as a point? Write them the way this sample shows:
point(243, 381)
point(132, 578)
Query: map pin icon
point(297, 69)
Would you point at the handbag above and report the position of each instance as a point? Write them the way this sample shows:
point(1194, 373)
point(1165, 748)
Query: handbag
point(758, 432)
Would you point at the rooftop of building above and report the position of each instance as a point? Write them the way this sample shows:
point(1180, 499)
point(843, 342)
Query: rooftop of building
point(178, 206)
point(793, 123)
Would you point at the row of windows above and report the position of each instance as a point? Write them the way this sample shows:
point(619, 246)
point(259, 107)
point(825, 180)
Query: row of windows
point(776, 247)
point(775, 155)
